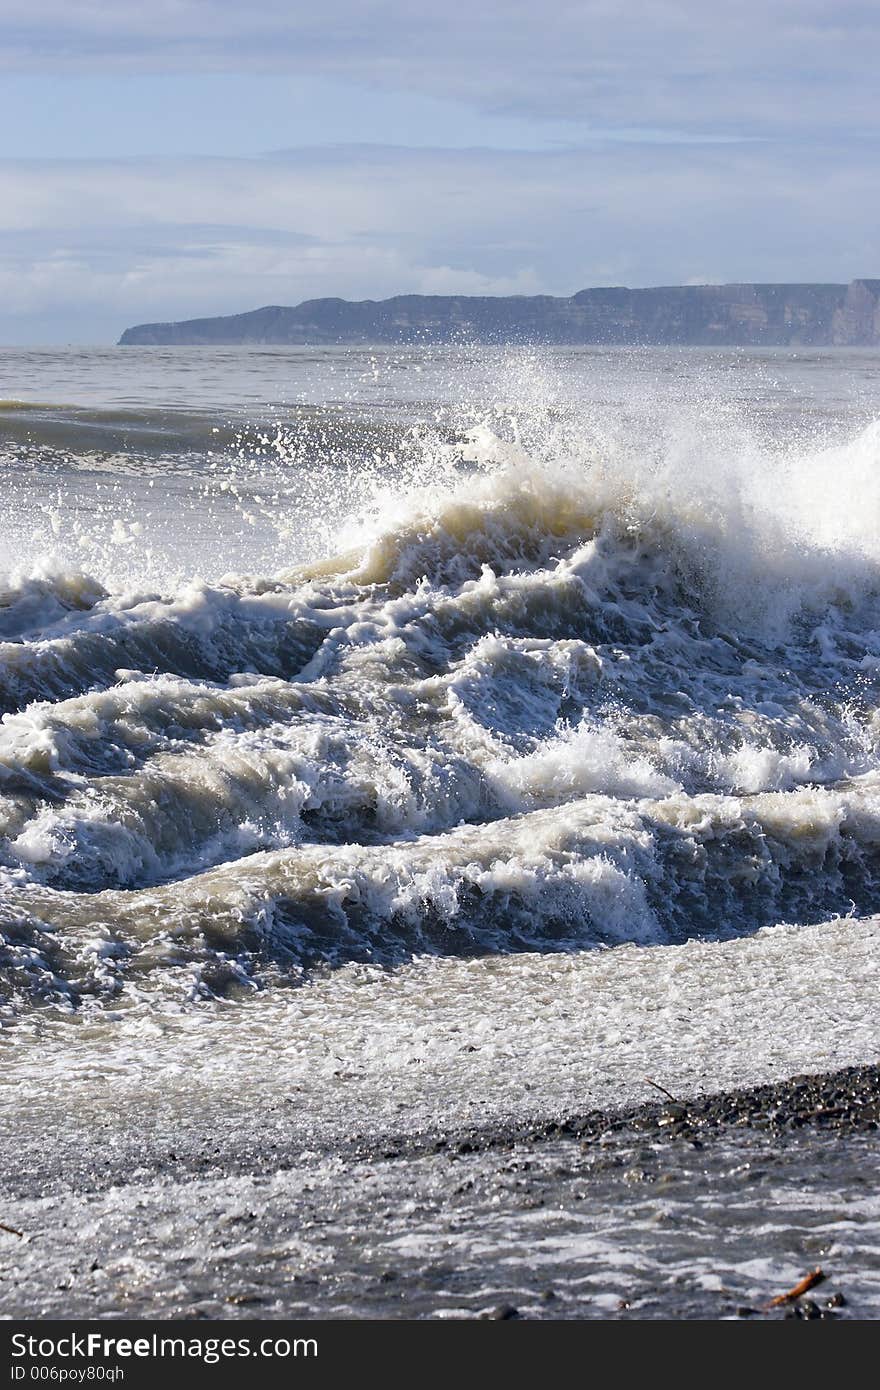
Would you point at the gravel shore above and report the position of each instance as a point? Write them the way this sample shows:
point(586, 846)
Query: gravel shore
point(842, 1102)
point(707, 1208)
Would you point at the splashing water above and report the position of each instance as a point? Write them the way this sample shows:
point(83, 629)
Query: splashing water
point(396, 671)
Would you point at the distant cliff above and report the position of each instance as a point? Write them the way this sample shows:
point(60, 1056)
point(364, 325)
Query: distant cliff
point(698, 315)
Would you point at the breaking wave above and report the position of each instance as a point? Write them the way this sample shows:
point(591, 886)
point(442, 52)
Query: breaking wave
point(556, 687)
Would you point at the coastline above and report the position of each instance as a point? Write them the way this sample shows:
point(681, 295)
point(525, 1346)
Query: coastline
point(457, 1136)
point(705, 1208)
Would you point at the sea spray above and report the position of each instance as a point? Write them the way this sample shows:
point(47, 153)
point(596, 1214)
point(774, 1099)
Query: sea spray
point(536, 669)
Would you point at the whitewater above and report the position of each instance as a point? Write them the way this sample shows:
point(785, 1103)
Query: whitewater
point(401, 741)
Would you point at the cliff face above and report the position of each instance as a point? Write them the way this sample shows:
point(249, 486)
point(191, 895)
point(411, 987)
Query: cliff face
point(722, 314)
point(699, 315)
point(857, 320)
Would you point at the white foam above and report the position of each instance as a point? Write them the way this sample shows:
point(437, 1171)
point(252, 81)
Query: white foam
point(574, 675)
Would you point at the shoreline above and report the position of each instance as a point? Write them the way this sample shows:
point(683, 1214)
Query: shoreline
point(460, 1136)
point(841, 1102)
point(706, 1208)
point(363, 1058)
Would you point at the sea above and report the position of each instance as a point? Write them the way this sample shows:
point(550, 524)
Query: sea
point(400, 740)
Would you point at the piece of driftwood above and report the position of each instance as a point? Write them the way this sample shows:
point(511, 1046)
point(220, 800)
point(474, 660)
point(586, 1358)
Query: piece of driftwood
point(11, 1231)
point(662, 1090)
point(809, 1281)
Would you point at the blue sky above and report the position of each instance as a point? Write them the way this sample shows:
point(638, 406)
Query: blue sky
point(193, 157)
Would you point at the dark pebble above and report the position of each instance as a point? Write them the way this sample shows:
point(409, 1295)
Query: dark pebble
point(805, 1308)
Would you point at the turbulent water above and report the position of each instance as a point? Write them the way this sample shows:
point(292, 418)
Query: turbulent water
point(429, 656)
point(406, 744)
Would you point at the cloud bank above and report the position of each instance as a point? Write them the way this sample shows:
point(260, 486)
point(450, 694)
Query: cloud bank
point(671, 143)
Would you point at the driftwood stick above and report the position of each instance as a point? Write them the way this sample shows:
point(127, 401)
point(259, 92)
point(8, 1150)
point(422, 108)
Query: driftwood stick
point(662, 1090)
point(809, 1281)
point(10, 1230)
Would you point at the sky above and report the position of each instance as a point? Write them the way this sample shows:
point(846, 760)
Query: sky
point(178, 158)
